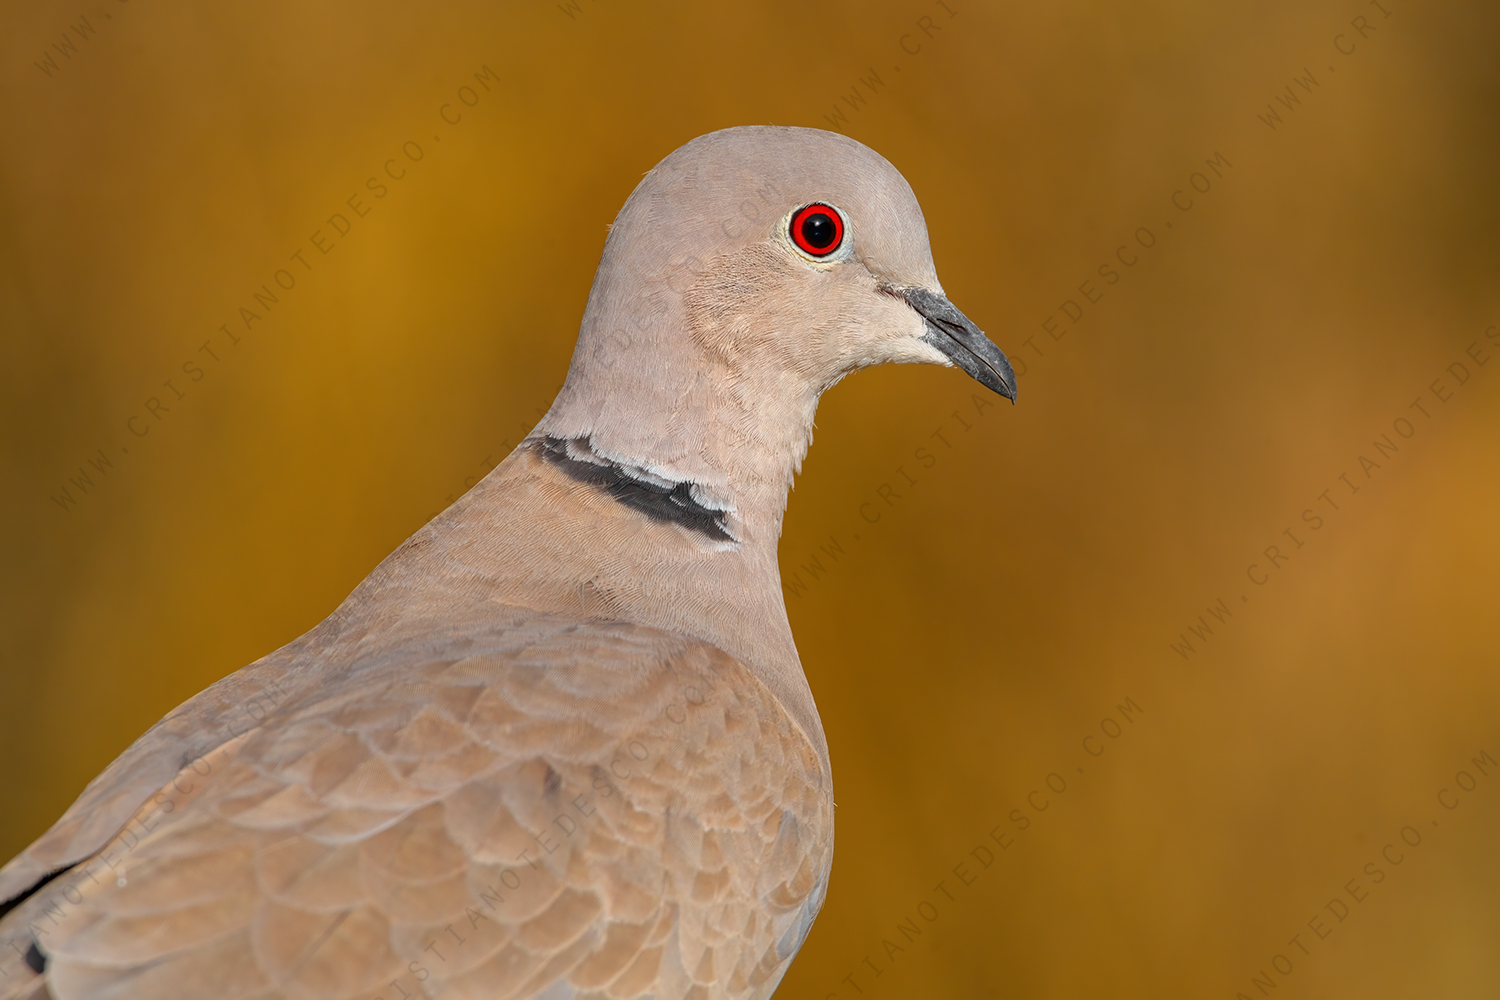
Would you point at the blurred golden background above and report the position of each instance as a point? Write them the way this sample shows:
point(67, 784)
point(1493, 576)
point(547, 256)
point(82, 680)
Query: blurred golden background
point(1230, 247)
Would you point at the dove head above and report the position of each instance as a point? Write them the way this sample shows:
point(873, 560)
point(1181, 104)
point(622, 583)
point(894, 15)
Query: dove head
point(747, 273)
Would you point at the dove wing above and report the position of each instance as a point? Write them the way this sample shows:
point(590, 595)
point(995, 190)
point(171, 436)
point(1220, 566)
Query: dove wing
point(603, 811)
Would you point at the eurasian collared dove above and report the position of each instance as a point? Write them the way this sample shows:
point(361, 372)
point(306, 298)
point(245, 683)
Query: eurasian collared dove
point(559, 743)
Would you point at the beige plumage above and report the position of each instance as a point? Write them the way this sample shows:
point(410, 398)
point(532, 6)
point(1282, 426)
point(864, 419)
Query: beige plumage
point(558, 744)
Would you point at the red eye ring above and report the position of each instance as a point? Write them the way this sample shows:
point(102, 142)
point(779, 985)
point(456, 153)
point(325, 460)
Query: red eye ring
point(817, 229)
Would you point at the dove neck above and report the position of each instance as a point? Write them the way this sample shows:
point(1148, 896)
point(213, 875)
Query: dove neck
point(731, 441)
point(549, 529)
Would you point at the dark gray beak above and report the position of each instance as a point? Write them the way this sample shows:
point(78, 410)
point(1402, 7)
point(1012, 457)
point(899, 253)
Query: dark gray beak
point(951, 332)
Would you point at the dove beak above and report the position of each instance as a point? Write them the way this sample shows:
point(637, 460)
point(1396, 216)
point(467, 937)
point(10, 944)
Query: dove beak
point(953, 333)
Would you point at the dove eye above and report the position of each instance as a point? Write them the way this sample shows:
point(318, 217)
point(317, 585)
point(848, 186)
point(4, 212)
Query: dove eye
point(817, 229)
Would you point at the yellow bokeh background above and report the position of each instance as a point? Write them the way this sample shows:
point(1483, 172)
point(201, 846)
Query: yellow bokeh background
point(972, 604)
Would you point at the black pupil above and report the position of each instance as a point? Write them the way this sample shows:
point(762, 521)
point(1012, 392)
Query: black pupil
point(818, 230)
